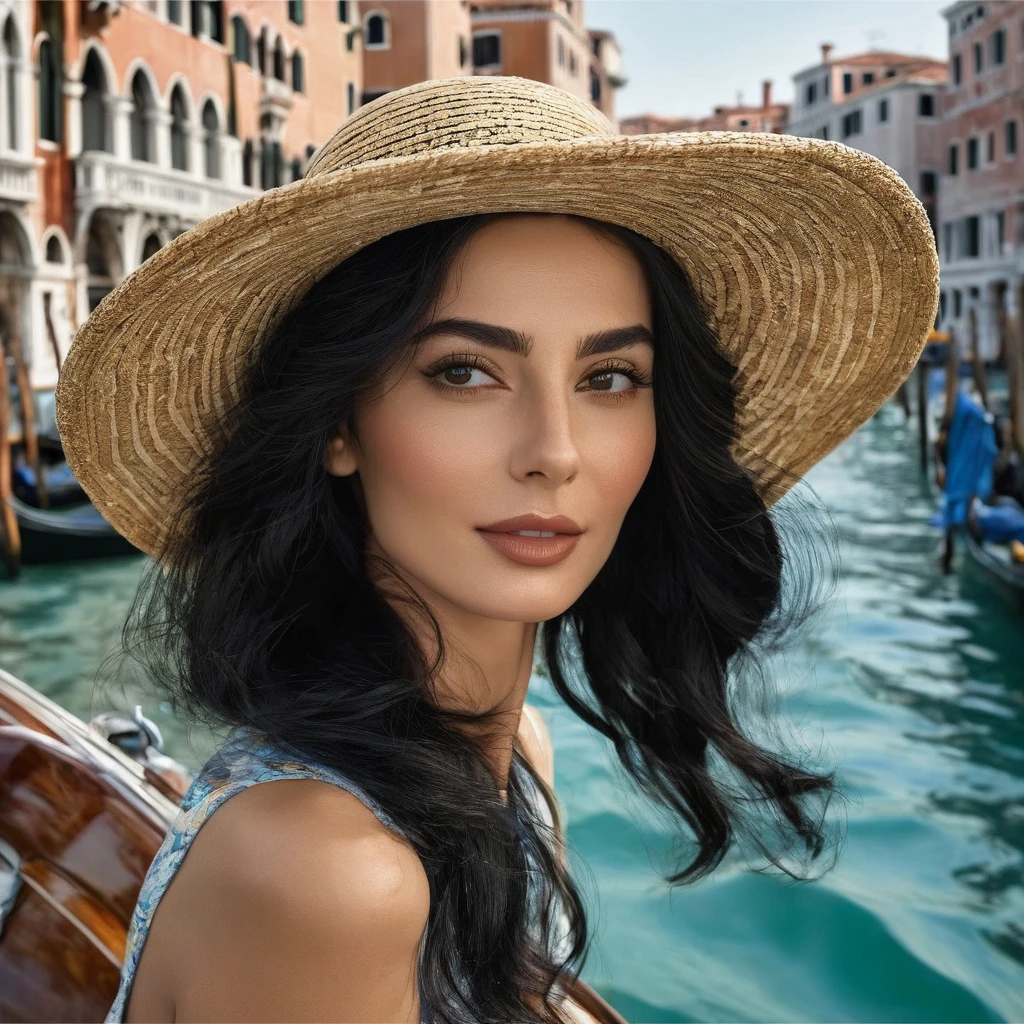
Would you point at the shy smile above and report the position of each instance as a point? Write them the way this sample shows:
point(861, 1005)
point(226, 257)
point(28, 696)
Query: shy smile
point(532, 547)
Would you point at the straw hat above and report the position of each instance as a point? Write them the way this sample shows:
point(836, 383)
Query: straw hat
point(816, 261)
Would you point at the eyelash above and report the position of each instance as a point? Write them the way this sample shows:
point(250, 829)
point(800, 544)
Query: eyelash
point(468, 360)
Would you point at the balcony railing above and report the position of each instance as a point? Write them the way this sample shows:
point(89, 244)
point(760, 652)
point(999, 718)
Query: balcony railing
point(276, 98)
point(18, 177)
point(103, 180)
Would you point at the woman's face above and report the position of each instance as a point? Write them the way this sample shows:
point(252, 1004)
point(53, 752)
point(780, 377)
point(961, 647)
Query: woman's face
point(501, 433)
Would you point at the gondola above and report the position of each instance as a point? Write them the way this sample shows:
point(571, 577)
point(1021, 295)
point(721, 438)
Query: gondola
point(64, 535)
point(60, 486)
point(83, 811)
point(994, 558)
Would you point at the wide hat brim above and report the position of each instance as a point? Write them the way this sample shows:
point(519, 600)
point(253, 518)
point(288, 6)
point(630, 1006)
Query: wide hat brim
point(816, 261)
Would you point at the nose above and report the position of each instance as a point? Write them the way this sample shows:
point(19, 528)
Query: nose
point(546, 437)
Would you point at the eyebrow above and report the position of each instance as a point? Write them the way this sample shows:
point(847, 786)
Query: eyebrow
point(510, 340)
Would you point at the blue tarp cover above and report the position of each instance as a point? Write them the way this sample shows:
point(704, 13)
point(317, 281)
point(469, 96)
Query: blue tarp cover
point(971, 452)
point(1000, 523)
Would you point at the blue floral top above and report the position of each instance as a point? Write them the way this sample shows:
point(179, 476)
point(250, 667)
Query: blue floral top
point(244, 759)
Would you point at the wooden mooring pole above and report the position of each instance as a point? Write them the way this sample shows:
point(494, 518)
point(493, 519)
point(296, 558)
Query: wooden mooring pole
point(1015, 369)
point(922, 411)
point(51, 333)
point(977, 363)
point(29, 438)
point(10, 538)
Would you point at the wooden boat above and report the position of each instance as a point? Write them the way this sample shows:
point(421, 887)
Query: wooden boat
point(45, 516)
point(83, 811)
point(80, 823)
point(995, 559)
point(65, 535)
point(59, 484)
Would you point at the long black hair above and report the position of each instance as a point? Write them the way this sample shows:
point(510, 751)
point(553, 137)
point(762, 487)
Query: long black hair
point(262, 614)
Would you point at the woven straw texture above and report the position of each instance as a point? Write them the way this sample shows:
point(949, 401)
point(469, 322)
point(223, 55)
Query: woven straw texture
point(816, 261)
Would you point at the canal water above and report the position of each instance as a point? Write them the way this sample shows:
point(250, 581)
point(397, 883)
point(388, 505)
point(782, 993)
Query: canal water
point(911, 682)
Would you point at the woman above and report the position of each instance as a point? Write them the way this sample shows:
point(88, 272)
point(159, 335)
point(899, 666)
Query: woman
point(330, 412)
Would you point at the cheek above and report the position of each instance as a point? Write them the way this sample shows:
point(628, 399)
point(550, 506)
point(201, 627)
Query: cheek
point(417, 464)
point(619, 464)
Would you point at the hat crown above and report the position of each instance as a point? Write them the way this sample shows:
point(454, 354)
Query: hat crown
point(453, 113)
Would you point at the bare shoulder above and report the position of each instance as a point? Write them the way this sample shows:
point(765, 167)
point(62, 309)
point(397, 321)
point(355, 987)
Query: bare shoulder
point(296, 903)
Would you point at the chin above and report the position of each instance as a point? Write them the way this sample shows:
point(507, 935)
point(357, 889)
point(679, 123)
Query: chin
point(519, 605)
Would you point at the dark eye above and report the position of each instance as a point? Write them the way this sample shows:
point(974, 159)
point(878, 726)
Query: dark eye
point(457, 375)
point(607, 375)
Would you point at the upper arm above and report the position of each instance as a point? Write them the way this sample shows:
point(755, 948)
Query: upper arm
point(302, 907)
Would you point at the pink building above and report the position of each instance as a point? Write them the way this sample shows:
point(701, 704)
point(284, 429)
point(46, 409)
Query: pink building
point(409, 41)
point(982, 182)
point(547, 40)
point(124, 124)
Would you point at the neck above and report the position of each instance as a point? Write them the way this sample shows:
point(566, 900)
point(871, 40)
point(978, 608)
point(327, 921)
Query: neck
point(487, 666)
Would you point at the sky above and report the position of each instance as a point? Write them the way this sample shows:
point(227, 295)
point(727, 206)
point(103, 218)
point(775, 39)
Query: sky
point(682, 58)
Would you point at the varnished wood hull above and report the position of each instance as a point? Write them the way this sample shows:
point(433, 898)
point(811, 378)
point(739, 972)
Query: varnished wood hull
point(80, 823)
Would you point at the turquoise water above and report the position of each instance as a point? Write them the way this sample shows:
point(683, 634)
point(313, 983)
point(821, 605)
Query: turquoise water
point(912, 683)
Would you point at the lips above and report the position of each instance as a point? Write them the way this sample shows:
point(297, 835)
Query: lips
point(532, 521)
point(536, 551)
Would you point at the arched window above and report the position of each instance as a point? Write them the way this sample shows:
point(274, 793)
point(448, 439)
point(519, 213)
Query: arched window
point(216, 17)
point(151, 247)
point(261, 52)
point(350, 97)
point(247, 163)
point(486, 49)
point(298, 83)
point(102, 258)
point(271, 164)
point(295, 12)
point(242, 44)
point(296, 169)
point(208, 17)
point(279, 60)
point(54, 251)
point(211, 126)
point(375, 32)
point(94, 106)
point(11, 51)
point(179, 130)
point(50, 92)
point(142, 120)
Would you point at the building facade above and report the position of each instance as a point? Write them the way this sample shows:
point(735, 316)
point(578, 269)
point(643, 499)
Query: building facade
point(605, 71)
point(981, 233)
point(408, 41)
point(768, 117)
point(546, 40)
point(124, 124)
point(886, 104)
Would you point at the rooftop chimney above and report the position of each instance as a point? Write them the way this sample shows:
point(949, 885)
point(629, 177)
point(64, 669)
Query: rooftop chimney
point(766, 93)
point(826, 49)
